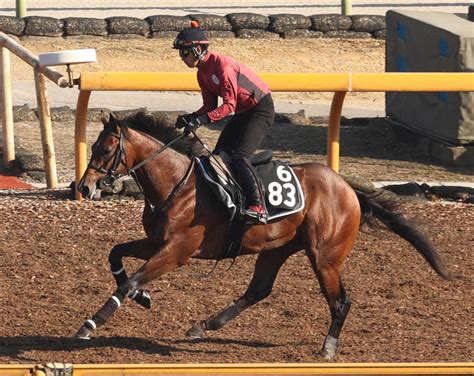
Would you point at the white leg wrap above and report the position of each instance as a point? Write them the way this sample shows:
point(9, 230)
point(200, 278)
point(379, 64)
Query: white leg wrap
point(92, 324)
point(117, 272)
point(117, 300)
point(133, 294)
point(330, 346)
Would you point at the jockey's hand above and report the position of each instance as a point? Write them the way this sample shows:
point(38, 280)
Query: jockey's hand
point(191, 122)
point(182, 121)
point(194, 122)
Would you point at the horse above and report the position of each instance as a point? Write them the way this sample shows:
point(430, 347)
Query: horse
point(182, 219)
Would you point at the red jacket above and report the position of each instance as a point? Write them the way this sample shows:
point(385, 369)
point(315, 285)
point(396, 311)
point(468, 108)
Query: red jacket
point(221, 76)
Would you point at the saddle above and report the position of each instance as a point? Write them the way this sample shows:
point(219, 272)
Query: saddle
point(281, 187)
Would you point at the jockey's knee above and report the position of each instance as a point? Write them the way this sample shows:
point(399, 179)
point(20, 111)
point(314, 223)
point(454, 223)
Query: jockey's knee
point(241, 156)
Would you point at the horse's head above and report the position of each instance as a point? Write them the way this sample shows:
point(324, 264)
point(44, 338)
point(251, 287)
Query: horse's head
point(108, 160)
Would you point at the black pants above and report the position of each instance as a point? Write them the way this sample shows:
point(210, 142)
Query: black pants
point(240, 138)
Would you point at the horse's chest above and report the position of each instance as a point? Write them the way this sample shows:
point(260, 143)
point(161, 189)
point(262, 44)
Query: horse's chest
point(154, 225)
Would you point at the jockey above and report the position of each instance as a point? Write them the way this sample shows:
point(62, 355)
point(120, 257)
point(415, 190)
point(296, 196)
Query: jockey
point(244, 96)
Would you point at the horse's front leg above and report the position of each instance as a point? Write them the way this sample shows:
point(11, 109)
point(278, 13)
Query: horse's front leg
point(142, 249)
point(166, 260)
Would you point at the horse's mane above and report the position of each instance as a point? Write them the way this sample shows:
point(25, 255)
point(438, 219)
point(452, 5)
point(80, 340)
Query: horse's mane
point(161, 127)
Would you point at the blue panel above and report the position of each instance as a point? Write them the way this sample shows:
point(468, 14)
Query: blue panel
point(443, 48)
point(443, 96)
point(401, 30)
point(401, 63)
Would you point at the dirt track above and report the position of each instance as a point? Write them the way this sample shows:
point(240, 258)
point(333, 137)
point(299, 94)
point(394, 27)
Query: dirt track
point(54, 271)
point(55, 274)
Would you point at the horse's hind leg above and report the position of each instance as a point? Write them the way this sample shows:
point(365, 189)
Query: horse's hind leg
point(266, 269)
point(142, 249)
point(328, 274)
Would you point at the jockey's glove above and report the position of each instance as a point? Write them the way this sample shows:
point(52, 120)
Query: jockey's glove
point(191, 122)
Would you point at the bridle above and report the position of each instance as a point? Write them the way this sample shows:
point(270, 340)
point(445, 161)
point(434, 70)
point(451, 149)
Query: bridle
point(120, 157)
point(110, 175)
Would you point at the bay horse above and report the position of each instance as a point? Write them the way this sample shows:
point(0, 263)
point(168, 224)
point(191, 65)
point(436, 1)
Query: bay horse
point(183, 219)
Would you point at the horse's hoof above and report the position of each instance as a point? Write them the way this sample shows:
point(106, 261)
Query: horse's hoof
point(326, 355)
point(83, 333)
point(196, 332)
point(143, 298)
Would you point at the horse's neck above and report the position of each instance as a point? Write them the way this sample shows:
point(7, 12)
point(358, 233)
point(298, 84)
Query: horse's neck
point(160, 175)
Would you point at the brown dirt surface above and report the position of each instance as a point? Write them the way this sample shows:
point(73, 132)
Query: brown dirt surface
point(54, 272)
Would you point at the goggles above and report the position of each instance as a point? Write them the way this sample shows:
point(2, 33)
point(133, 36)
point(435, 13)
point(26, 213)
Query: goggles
point(184, 52)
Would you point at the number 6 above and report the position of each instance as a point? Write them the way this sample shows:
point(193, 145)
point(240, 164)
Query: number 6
point(283, 175)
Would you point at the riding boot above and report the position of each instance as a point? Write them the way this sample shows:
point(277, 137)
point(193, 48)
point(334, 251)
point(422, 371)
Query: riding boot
point(252, 190)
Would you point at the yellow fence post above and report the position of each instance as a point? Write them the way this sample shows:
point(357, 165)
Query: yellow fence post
point(334, 130)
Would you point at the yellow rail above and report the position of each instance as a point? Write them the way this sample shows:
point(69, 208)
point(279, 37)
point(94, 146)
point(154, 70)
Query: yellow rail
point(16, 369)
point(326, 82)
point(250, 369)
point(339, 83)
point(282, 369)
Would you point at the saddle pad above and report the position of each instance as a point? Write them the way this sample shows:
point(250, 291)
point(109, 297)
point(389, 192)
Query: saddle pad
point(283, 193)
point(219, 185)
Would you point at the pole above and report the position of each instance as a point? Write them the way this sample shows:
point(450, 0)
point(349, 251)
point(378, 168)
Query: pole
point(80, 137)
point(44, 114)
point(346, 7)
point(21, 8)
point(333, 129)
point(6, 107)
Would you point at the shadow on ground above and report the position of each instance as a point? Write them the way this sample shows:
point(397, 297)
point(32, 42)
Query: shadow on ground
point(17, 347)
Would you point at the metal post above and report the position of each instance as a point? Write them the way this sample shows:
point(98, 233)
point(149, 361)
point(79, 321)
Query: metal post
point(346, 7)
point(44, 114)
point(333, 129)
point(21, 8)
point(6, 107)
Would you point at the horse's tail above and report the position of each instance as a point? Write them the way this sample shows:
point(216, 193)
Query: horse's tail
point(384, 210)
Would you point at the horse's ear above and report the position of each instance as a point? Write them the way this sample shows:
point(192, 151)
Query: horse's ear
point(103, 117)
point(112, 118)
point(110, 123)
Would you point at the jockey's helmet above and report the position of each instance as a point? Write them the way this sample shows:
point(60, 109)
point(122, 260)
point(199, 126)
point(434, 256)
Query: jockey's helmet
point(191, 37)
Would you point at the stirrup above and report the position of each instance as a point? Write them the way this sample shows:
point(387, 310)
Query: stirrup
point(256, 216)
